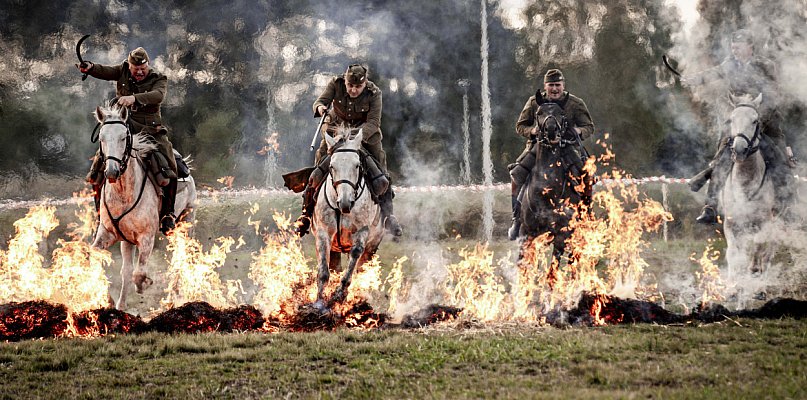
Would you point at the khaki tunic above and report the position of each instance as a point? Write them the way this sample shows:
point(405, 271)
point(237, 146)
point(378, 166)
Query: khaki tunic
point(362, 112)
point(573, 107)
point(149, 94)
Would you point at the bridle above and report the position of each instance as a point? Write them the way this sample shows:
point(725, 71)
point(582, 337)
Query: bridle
point(123, 162)
point(559, 122)
point(753, 142)
point(358, 189)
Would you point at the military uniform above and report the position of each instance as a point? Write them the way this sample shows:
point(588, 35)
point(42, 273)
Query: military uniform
point(362, 112)
point(576, 112)
point(144, 116)
point(755, 76)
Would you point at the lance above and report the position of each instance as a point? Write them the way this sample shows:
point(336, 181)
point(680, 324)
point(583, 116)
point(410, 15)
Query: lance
point(81, 61)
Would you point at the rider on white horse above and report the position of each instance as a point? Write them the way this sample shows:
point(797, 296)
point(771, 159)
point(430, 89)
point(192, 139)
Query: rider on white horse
point(356, 104)
point(142, 90)
point(746, 73)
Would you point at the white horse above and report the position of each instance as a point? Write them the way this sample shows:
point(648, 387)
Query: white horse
point(129, 209)
point(346, 220)
point(748, 195)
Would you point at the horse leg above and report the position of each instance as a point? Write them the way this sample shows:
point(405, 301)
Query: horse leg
point(323, 241)
point(356, 252)
point(139, 276)
point(125, 273)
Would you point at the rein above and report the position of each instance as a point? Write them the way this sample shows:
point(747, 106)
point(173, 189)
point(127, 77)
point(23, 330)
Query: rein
point(752, 148)
point(124, 163)
point(358, 189)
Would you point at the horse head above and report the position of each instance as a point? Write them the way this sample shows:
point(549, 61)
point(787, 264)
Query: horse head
point(116, 140)
point(346, 167)
point(745, 127)
point(551, 122)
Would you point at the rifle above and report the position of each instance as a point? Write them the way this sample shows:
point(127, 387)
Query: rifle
point(319, 127)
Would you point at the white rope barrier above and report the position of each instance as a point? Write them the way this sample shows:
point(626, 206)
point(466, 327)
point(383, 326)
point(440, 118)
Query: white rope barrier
point(8, 204)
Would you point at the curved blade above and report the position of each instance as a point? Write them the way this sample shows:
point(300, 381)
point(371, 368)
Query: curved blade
point(78, 53)
point(78, 47)
point(667, 64)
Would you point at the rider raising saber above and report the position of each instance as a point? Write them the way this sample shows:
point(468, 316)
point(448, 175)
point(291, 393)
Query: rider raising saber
point(142, 90)
point(576, 112)
point(746, 73)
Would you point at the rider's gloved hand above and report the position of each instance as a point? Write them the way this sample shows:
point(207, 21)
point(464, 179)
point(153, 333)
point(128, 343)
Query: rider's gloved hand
point(126, 101)
point(85, 66)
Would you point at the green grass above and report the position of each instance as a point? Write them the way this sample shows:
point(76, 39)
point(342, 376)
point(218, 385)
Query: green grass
point(746, 359)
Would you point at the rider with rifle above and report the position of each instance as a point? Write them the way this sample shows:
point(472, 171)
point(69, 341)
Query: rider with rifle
point(580, 128)
point(746, 73)
point(142, 90)
point(352, 101)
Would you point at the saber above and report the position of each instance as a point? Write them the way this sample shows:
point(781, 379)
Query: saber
point(83, 64)
point(667, 64)
point(321, 121)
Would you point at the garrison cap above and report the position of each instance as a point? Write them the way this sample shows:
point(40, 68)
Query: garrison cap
point(742, 35)
point(356, 74)
point(553, 75)
point(138, 56)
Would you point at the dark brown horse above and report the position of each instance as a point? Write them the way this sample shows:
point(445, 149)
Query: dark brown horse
point(551, 199)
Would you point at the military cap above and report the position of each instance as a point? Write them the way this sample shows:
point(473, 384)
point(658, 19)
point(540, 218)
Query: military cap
point(742, 35)
point(553, 75)
point(138, 56)
point(356, 74)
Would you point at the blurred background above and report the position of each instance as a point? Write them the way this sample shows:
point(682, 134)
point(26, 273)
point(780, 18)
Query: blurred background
point(243, 75)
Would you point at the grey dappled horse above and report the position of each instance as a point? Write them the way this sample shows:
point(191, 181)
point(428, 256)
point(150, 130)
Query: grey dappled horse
point(346, 220)
point(748, 195)
point(549, 200)
point(129, 209)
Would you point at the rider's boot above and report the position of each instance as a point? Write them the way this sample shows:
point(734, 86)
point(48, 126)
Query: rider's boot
point(303, 223)
point(515, 227)
point(390, 221)
point(709, 212)
point(167, 217)
point(697, 181)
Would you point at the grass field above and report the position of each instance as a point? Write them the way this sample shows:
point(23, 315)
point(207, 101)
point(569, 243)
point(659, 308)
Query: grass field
point(460, 359)
point(728, 360)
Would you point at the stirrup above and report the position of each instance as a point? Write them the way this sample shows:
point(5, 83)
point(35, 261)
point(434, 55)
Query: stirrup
point(708, 216)
point(302, 225)
point(167, 223)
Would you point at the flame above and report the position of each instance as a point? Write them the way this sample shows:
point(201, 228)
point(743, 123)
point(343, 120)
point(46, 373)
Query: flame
point(709, 281)
point(281, 272)
point(21, 266)
point(227, 181)
point(192, 272)
point(272, 145)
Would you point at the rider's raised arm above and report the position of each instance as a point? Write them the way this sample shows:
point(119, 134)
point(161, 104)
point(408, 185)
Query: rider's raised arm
point(373, 123)
point(156, 94)
point(582, 118)
point(326, 97)
point(707, 76)
point(526, 119)
point(106, 72)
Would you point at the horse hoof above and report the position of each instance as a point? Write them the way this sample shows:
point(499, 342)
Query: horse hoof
point(320, 307)
point(142, 282)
